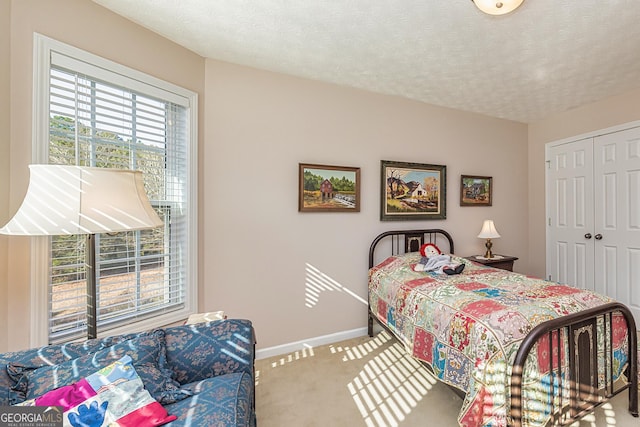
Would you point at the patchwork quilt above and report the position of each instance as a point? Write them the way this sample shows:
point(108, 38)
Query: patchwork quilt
point(468, 328)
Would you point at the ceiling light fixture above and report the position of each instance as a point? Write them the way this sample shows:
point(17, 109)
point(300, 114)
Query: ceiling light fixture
point(496, 7)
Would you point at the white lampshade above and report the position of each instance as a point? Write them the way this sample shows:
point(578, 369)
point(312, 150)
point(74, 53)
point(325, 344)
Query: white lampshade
point(64, 199)
point(488, 230)
point(497, 7)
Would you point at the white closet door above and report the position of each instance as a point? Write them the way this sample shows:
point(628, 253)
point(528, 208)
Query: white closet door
point(617, 217)
point(570, 221)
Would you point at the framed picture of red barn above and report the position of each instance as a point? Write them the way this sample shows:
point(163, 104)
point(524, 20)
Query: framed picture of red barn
point(324, 188)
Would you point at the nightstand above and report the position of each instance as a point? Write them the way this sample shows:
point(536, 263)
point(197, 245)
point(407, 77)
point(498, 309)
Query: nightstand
point(505, 262)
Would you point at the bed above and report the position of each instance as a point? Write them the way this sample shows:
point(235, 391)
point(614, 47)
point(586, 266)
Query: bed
point(521, 351)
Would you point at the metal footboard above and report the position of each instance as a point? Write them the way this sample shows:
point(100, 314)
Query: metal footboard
point(586, 389)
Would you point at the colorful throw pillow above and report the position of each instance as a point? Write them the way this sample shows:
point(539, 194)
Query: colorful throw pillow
point(113, 395)
point(147, 352)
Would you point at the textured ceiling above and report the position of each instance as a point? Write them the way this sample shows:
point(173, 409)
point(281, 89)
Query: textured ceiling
point(546, 57)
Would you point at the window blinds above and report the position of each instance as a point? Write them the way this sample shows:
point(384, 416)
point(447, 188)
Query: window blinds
point(104, 119)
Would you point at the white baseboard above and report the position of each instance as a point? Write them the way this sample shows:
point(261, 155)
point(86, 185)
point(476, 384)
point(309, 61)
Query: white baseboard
point(310, 343)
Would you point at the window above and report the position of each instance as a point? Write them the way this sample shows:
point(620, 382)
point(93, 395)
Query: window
point(93, 112)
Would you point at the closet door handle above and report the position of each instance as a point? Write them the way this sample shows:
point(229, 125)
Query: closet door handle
point(587, 236)
point(598, 236)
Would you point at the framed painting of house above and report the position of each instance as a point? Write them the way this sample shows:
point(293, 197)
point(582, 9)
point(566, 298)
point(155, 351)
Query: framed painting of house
point(413, 191)
point(325, 188)
point(476, 190)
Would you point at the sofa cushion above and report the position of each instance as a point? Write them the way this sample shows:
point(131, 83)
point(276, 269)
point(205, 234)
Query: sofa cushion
point(146, 350)
point(49, 355)
point(222, 401)
point(205, 350)
point(112, 395)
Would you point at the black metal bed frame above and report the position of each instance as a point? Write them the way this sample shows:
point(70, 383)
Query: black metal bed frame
point(577, 331)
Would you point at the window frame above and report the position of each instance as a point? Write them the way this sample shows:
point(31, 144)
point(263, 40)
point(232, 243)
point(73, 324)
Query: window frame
point(43, 48)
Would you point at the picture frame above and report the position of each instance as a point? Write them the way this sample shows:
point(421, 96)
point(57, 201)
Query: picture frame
point(412, 191)
point(476, 190)
point(326, 188)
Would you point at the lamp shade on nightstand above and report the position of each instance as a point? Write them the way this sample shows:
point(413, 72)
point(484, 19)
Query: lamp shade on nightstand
point(488, 232)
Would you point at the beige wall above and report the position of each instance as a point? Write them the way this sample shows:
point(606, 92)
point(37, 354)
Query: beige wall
point(255, 247)
point(83, 24)
point(5, 32)
point(599, 115)
point(260, 125)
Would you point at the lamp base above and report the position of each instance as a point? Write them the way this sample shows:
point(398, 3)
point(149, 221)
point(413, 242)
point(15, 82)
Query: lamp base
point(488, 254)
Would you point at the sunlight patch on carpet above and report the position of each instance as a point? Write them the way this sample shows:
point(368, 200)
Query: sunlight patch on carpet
point(389, 386)
point(285, 359)
point(292, 357)
point(361, 350)
point(590, 420)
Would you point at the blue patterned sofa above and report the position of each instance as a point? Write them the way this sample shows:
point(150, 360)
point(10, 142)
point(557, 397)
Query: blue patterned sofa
point(202, 373)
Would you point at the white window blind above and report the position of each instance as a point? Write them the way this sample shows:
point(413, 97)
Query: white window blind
point(102, 118)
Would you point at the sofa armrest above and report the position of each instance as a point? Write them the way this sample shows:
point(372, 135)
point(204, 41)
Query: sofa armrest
point(204, 350)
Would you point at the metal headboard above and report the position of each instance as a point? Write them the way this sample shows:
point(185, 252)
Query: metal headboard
point(403, 241)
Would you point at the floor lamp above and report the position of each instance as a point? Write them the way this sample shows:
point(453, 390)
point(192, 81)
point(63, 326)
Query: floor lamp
point(64, 200)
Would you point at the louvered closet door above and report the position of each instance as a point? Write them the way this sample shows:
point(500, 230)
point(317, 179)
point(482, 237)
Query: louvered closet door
point(617, 217)
point(570, 214)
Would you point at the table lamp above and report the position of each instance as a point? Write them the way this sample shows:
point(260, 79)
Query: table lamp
point(63, 200)
point(488, 232)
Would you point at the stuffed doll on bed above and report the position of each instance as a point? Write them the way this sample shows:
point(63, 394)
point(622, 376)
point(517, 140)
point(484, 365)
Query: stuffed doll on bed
point(435, 261)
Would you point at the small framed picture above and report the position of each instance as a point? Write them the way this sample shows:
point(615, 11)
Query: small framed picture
point(476, 190)
point(413, 191)
point(325, 188)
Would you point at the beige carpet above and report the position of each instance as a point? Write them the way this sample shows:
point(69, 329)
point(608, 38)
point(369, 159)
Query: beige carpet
point(369, 382)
